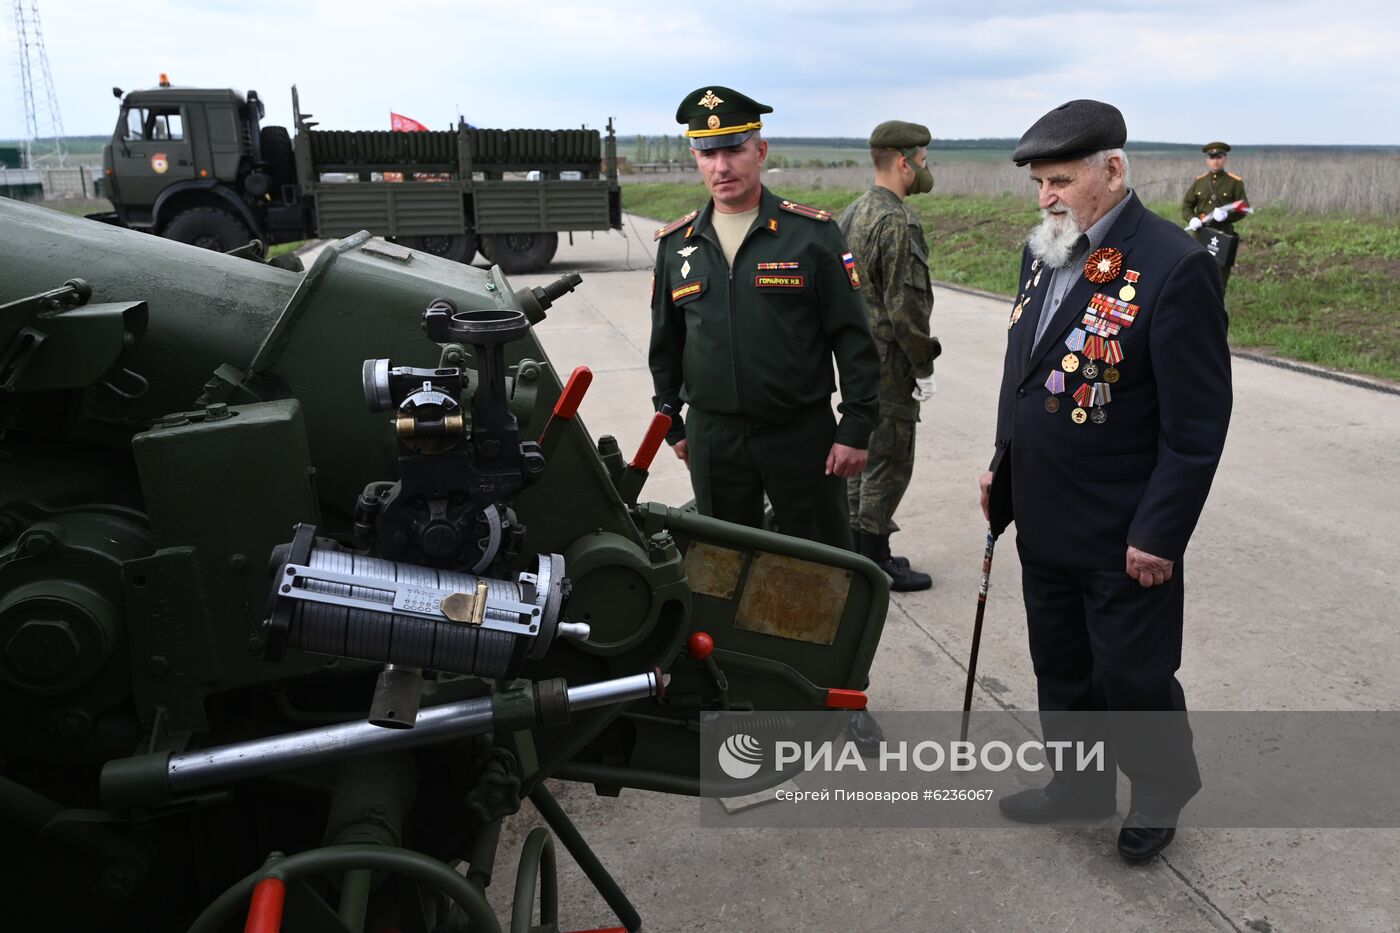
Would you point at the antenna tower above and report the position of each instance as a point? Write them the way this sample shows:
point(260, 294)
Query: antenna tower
point(43, 126)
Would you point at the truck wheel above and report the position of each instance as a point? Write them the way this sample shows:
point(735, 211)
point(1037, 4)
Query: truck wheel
point(460, 248)
point(277, 153)
point(521, 252)
point(208, 228)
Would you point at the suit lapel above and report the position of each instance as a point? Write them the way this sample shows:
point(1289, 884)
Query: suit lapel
point(1120, 236)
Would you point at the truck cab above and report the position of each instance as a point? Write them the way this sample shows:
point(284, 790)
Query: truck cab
point(193, 164)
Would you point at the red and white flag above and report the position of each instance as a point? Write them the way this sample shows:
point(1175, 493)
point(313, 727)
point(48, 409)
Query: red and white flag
point(399, 123)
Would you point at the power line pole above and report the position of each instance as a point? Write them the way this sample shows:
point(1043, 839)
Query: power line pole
point(43, 126)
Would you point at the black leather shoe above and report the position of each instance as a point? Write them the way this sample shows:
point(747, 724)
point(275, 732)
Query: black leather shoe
point(1038, 806)
point(1137, 842)
point(866, 733)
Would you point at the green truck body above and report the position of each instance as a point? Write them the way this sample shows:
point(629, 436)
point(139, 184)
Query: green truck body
point(195, 165)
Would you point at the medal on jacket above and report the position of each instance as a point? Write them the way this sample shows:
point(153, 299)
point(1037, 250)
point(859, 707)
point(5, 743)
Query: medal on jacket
point(1098, 398)
point(1103, 265)
point(1127, 292)
point(1093, 349)
point(1075, 341)
point(1070, 363)
point(1054, 384)
point(684, 252)
point(1112, 355)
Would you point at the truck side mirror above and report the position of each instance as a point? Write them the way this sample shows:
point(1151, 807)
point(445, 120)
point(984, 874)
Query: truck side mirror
point(117, 93)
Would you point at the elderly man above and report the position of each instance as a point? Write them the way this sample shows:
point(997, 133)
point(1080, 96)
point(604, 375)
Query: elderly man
point(1115, 399)
point(888, 241)
point(753, 298)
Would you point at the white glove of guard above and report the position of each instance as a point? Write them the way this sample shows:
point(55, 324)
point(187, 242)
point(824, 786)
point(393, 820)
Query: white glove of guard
point(1195, 224)
point(924, 389)
point(1219, 214)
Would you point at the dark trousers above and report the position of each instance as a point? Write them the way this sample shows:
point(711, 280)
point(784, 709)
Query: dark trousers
point(735, 460)
point(1100, 641)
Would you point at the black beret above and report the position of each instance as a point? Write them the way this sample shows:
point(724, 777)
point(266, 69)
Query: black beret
point(897, 134)
point(719, 117)
point(1215, 147)
point(1073, 130)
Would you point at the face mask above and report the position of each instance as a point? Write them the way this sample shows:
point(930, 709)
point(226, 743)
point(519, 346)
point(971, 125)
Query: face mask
point(923, 175)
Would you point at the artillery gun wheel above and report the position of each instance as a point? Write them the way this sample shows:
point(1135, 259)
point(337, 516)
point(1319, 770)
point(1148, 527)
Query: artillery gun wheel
point(460, 248)
point(208, 228)
point(520, 252)
point(277, 153)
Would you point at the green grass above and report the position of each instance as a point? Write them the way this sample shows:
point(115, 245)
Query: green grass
point(1312, 287)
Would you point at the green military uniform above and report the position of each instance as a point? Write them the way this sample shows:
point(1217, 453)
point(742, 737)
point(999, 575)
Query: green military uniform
point(749, 349)
point(888, 242)
point(1212, 190)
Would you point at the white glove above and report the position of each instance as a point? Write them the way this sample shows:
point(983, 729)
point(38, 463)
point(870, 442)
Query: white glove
point(924, 389)
point(1195, 224)
point(1219, 214)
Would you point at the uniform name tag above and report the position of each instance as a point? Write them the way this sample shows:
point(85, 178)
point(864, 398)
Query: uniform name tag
point(780, 281)
point(684, 291)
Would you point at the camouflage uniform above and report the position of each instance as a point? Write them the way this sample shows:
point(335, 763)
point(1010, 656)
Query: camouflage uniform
point(888, 243)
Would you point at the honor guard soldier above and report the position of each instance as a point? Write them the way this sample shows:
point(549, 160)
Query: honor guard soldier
point(1115, 400)
point(887, 240)
point(1214, 201)
point(753, 299)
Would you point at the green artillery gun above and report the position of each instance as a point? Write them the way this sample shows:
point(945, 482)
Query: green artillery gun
point(308, 579)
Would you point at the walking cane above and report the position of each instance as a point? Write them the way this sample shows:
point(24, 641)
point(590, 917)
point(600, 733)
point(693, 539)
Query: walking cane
point(977, 629)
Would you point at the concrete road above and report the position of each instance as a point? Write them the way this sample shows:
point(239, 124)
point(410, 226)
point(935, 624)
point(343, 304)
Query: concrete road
point(1292, 604)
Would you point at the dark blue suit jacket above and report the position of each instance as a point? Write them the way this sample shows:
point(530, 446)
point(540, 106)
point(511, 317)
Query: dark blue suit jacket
point(1081, 493)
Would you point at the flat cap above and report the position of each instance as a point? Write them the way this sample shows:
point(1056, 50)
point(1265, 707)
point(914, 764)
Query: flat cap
point(1212, 148)
point(898, 134)
point(719, 117)
point(1072, 130)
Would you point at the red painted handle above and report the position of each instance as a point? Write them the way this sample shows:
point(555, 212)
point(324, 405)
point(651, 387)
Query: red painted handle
point(579, 381)
point(265, 912)
point(656, 433)
point(845, 699)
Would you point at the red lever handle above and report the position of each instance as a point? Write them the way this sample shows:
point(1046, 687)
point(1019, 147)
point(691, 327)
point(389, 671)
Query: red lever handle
point(265, 912)
point(651, 443)
point(579, 381)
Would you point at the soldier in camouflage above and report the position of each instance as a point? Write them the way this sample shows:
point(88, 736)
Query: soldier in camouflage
point(887, 241)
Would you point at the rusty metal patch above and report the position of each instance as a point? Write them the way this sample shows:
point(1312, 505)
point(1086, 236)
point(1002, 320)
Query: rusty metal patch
point(713, 570)
point(793, 598)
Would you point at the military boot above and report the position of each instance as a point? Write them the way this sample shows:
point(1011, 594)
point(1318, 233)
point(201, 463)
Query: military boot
point(903, 578)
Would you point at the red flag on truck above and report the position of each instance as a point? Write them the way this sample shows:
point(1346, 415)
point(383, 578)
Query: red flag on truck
point(399, 123)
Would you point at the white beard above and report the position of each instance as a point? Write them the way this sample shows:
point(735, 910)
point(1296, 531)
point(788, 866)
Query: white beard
point(1053, 240)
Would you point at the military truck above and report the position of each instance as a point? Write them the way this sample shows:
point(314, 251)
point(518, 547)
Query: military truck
point(196, 165)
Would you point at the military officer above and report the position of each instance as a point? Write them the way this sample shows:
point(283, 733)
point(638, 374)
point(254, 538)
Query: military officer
point(887, 240)
point(1115, 400)
point(753, 298)
point(1216, 199)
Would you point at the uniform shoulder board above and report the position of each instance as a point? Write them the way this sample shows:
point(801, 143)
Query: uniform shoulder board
point(813, 212)
point(1234, 176)
point(1202, 175)
point(675, 225)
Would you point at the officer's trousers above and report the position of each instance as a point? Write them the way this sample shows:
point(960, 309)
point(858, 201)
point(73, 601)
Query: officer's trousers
point(736, 460)
point(1100, 641)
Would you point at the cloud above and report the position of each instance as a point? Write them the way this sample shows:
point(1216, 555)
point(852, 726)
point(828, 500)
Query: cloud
point(1256, 71)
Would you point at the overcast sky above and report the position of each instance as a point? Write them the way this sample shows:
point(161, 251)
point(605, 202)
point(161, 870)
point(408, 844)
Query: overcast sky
point(1247, 72)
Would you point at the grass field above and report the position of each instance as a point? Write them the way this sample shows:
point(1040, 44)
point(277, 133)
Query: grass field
point(1308, 286)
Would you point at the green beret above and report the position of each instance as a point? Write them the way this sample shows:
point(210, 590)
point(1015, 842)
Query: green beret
point(897, 134)
point(1208, 148)
point(1073, 130)
point(719, 117)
